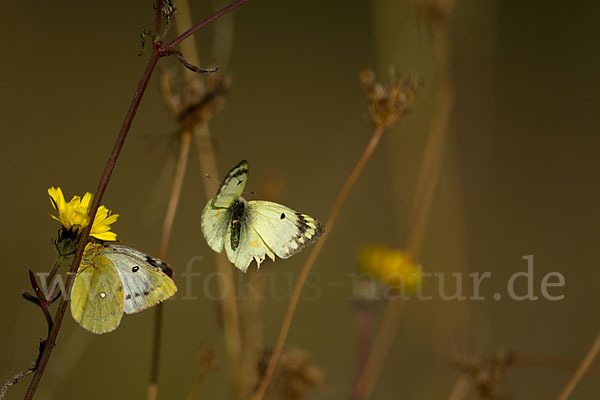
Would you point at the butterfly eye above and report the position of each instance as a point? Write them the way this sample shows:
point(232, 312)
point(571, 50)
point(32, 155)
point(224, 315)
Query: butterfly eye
point(282, 215)
point(135, 269)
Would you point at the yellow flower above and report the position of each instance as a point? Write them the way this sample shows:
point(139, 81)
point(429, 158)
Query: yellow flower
point(392, 267)
point(73, 215)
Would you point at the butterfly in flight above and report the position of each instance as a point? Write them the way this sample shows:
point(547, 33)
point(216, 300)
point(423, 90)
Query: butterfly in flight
point(252, 230)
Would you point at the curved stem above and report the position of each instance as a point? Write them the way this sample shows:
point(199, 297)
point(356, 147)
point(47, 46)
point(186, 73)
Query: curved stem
point(287, 321)
point(50, 342)
point(184, 151)
point(461, 388)
point(423, 198)
point(434, 149)
point(581, 370)
point(158, 52)
point(228, 300)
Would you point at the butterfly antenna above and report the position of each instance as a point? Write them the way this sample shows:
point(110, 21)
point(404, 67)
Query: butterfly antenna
point(212, 178)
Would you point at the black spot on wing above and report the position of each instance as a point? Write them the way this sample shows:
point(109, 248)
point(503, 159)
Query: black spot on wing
point(135, 269)
point(282, 216)
point(128, 297)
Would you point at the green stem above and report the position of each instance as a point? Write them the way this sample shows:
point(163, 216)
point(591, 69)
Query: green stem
point(52, 274)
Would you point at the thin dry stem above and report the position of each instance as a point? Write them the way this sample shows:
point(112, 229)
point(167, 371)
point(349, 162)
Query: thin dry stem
point(206, 363)
point(13, 380)
point(383, 342)
point(423, 198)
point(461, 388)
point(253, 329)
point(287, 321)
point(189, 49)
point(434, 149)
point(184, 151)
point(535, 361)
point(581, 370)
point(229, 307)
point(208, 164)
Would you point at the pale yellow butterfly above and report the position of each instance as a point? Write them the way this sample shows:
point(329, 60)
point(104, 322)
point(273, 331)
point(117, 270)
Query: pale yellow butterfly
point(113, 279)
point(251, 230)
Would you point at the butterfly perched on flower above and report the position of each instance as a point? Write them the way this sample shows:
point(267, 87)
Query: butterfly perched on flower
point(252, 230)
point(113, 279)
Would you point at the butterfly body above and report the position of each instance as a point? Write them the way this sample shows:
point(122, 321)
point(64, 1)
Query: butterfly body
point(253, 230)
point(238, 217)
point(114, 279)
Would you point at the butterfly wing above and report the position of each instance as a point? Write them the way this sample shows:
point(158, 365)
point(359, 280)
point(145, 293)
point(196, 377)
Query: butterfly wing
point(146, 280)
point(215, 222)
point(217, 214)
point(284, 231)
point(250, 247)
point(97, 299)
point(232, 187)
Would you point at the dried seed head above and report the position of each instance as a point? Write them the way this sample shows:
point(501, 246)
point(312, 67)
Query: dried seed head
point(486, 374)
point(197, 100)
point(294, 377)
point(435, 10)
point(206, 359)
point(388, 102)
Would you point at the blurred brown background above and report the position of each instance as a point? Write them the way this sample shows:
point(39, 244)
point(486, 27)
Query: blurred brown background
point(519, 177)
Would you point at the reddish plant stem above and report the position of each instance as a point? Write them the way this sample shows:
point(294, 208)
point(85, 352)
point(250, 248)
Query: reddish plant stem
point(158, 17)
point(208, 20)
point(383, 342)
point(50, 342)
point(158, 52)
point(364, 331)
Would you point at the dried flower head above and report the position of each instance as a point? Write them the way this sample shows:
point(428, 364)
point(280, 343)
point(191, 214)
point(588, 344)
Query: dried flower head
point(387, 103)
point(488, 373)
point(198, 99)
point(294, 377)
point(206, 359)
point(435, 10)
point(391, 267)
